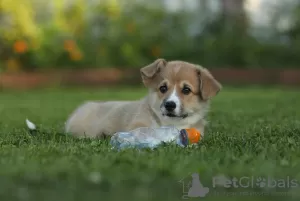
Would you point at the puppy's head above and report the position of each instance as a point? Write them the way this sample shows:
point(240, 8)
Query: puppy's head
point(178, 89)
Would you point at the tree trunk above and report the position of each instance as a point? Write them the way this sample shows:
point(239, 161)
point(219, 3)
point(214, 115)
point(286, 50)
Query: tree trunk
point(233, 7)
point(234, 14)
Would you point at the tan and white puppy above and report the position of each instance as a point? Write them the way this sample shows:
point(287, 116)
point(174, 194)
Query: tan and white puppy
point(179, 95)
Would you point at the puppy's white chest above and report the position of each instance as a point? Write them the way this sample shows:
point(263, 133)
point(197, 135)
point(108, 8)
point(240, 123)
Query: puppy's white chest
point(179, 123)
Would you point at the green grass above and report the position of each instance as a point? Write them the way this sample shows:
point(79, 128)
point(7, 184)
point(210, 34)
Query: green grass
point(252, 132)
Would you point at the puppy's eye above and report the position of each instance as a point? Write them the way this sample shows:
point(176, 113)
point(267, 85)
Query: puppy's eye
point(163, 89)
point(186, 90)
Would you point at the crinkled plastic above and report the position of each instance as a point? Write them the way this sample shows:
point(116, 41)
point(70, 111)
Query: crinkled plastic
point(145, 137)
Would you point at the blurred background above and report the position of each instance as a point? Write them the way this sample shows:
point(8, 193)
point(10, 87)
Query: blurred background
point(42, 35)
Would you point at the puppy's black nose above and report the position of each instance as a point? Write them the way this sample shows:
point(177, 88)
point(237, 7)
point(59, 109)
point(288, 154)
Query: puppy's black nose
point(170, 106)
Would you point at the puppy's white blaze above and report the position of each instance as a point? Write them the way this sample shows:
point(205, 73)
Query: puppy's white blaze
point(175, 98)
point(30, 125)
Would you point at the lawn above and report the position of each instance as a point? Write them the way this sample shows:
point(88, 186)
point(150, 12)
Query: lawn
point(254, 134)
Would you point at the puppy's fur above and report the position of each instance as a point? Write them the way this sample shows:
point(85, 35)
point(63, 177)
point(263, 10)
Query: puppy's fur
point(179, 95)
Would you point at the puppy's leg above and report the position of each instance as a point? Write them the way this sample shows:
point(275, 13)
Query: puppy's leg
point(84, 121)
point(200, 126)
point(136, 125)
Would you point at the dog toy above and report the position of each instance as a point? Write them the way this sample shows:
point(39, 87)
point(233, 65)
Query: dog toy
point(146, 137)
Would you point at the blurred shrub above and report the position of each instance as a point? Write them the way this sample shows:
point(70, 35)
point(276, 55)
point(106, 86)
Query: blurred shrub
point(77, 34)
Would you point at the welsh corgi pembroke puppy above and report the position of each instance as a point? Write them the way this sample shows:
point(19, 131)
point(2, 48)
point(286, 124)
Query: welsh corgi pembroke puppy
point(178, 95)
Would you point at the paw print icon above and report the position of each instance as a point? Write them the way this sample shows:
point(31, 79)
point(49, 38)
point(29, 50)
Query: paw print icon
point(261, 182)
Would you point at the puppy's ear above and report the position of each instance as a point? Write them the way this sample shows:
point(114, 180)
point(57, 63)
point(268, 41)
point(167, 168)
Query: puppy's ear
point(149, 72)
point(209, 86)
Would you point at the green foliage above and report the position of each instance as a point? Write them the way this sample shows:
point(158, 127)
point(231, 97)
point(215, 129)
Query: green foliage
point(130, 35)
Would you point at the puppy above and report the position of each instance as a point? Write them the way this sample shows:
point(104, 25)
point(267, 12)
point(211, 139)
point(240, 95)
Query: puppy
point(179, 95)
